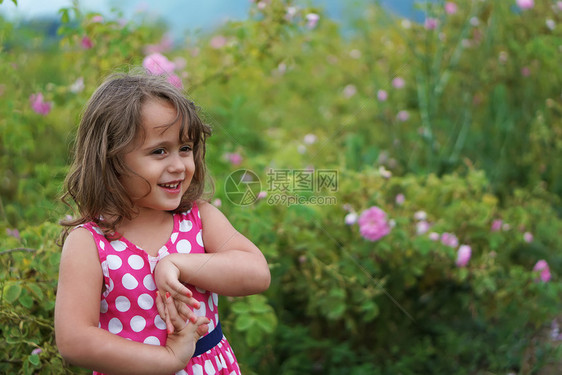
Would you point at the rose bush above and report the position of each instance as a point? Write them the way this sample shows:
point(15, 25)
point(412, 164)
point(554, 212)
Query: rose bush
point(441, 252)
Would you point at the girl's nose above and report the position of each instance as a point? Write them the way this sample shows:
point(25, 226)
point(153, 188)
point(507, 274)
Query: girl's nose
point(176, 164)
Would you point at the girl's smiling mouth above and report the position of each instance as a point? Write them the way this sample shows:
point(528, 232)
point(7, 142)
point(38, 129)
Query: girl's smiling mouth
point(172, 187)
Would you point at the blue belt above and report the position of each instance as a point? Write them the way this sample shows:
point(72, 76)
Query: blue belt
point(208, 341)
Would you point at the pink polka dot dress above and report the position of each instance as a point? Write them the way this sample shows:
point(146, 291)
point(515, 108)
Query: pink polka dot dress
point(128, 306)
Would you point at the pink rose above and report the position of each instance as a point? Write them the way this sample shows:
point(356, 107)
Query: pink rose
point(373, 224)
point(450, 8)
point(175, 80)
point(349, 91)
point(382, 95)
point(86, 42)
point(217, 42)
point(157, 64)
point(398, 83)
point(431, 23)
point(463, 255)
point(525, 4)
point(13, 233)
point(434, 236)
point(422, 227)
point(39, 105)
point(542, 267)
point(449, 239)
point(351, 218)
point(310, 139)
point(496, 225)
point(234, 158)
point(97, 19)
point(403, 116)
point(312, 20)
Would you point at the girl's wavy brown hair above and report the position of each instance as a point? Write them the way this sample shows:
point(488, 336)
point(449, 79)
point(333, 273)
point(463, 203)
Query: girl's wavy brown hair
point(110, 125)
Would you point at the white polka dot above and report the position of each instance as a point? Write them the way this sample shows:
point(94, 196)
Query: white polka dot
point(186, 225)
point(229, 355)
point(159, 323)
point(118, 245)
point(219, 364)
point(163, 252)
point(197, 369)
point(137, 323)
point(122, 303)
point(115, 326)
point(184, 246)
point(202, 291)
point(201, 311)
point(103, 306)
point(98, 230)
point(211, 326)
point(136, 262)
point(148, 282)
point(211, 306)
point(129, 281)
point(223, 362)
point(145, 301)
point(152, 340)
point(111, 286)
point(182, 372)
point(174, 237)
point(102, 245)
point(215, 298)
point(199, 238)
point(209, 368)
point(153, 262)
point(114, 262)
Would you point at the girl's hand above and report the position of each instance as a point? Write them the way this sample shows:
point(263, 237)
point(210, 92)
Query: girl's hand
point(166, 276)
point(182, 339)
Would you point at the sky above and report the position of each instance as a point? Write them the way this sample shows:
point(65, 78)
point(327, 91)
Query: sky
point(181, 15)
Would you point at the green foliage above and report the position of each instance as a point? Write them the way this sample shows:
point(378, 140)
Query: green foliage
point(481, 142)
point(29, 266)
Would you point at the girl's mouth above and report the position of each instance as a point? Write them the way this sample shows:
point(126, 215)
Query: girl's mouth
point(171, 187)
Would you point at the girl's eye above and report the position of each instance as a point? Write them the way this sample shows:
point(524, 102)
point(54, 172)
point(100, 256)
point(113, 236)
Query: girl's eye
point(185, 148)
point(158, 151)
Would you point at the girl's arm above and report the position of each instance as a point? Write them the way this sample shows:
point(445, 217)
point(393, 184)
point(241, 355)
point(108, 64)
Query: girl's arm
point(231, 266)
point(80, 340)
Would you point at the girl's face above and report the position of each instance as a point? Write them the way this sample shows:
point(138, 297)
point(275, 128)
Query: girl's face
point(161, 159)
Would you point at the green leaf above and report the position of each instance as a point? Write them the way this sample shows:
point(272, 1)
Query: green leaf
point(254, 336)
point(34, 359)
point(260, 308)
point(12, 292)
point(26, 301)
point(243, 322)
point(240, 308)
point(267, 322)
point(65, 18)
point(36, 290)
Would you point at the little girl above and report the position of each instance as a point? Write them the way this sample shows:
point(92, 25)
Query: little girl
point(145, 249)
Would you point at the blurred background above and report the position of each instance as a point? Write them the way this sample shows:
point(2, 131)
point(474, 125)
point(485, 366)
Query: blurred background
point(404, 156)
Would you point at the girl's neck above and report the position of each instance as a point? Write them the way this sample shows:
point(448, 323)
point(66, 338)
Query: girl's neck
point(148, 230)
point(145, 219)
